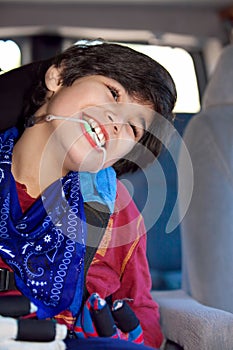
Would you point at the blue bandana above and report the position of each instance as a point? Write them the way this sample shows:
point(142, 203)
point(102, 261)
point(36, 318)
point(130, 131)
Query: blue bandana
point(45, 246)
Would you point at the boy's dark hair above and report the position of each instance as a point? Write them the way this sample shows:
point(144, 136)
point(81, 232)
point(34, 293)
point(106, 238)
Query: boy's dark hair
point(142, 77)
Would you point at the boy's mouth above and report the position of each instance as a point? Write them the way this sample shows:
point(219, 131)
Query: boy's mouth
point(94, 129)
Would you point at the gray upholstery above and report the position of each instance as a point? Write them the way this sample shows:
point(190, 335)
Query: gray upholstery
point(193, 325)
point(200, 316)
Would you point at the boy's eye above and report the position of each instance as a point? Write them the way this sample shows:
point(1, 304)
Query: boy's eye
point(114, 92)
point(135, 130)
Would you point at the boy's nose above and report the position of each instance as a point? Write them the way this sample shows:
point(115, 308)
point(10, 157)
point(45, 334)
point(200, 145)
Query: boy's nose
point(116, 125)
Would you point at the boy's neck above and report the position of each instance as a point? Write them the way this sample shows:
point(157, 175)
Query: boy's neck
point(31, 164)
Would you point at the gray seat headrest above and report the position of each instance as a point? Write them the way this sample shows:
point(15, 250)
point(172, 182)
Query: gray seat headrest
point(219, 90)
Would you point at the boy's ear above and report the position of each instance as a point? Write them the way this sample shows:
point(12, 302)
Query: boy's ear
point(53, 78)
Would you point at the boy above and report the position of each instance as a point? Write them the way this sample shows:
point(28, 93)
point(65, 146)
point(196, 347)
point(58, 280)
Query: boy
point(94, 109)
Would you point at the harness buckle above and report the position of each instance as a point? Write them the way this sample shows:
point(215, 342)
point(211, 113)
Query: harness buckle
point(4, 279)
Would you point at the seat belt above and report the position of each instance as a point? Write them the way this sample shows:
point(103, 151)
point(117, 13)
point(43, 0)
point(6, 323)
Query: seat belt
point(97, 218)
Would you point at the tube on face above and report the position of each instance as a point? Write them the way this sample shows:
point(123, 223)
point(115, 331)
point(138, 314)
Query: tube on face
point(87, 127)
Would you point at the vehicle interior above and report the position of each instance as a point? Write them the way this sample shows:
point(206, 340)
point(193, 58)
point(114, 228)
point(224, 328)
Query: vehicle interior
point(188, 37)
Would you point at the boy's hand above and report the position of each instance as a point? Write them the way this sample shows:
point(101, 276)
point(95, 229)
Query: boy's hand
point(98, 320)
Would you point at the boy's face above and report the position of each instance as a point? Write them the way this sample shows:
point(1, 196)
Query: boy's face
point(115, 122)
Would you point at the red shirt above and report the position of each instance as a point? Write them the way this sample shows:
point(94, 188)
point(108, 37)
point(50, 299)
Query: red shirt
point(120, 266)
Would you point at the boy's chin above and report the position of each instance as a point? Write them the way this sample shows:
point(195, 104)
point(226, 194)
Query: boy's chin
point(92, 167)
